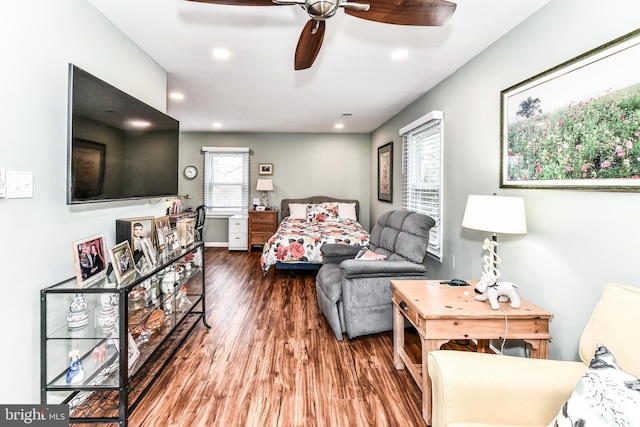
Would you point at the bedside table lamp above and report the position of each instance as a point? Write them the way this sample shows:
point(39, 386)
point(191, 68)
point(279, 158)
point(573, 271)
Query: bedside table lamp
point(265, 185)
point(495, 214)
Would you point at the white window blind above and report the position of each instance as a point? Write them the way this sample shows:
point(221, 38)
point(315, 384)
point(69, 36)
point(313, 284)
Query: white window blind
point(226, 180)
point(422, 168)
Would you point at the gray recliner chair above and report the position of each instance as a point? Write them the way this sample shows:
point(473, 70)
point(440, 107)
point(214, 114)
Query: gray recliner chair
point(355, 295)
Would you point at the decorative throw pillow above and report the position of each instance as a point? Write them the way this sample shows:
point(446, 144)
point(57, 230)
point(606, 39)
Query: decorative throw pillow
point(605, 396)
point(368, 255)
point(323, 212)
point(347, 211)
point(298, 210)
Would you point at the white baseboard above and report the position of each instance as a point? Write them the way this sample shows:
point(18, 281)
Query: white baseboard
point(216, 244)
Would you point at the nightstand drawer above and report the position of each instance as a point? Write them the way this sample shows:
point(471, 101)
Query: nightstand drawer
point(259, 227)
point(259, 238)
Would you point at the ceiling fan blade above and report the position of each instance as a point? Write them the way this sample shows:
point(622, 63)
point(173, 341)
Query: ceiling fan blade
point(309, 44)
point(408, 12)
point(239, 2)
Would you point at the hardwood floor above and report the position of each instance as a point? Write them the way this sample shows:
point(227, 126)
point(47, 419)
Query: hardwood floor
point(270, 359)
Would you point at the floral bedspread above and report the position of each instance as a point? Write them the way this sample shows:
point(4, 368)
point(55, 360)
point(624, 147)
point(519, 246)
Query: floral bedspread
point(298, 240)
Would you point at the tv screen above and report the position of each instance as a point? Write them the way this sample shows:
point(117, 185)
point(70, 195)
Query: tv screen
point(118, 147)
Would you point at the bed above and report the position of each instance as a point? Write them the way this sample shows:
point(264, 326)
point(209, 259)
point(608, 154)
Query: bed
point(310, 223)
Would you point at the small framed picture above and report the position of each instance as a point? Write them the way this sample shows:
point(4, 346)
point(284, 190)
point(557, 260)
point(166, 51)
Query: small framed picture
point(149, 252)
point(172, 241)
point(135, 229)
point(133, 350)
point(186, 231)
point(122, 261)
point(162, 226)
point(90, 260)
point(265, 168)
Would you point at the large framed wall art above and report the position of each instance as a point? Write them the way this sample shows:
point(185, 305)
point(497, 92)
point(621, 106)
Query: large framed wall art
point(577, 125)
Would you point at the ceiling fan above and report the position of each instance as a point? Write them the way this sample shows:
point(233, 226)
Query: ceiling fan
point(401, 12)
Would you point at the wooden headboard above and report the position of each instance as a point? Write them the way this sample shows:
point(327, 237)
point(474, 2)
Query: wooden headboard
point(284, 205)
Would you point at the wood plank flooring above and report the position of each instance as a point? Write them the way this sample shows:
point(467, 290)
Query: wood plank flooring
point(270, 359)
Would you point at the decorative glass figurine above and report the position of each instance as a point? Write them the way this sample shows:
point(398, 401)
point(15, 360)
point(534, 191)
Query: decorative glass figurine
point(77, 316)
point(75, 373)
point(108, 312)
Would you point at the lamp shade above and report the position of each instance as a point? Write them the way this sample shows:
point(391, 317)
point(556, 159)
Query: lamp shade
point(265, 185)
point(496, 214)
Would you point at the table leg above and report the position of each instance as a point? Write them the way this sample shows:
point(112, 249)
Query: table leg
point(539, 348)
point(398, 337)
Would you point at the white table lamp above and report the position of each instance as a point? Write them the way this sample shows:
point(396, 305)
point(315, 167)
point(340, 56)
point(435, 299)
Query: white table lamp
point(495, 214)
point(265, 185)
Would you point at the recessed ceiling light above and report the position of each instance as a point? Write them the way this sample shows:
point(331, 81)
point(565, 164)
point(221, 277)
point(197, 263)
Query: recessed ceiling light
point(176, 95)
point(399, 54)
point(339, 126)
point(221, 53)
point(140, 123)
point(217, 125)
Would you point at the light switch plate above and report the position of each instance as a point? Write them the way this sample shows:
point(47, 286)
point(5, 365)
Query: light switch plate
point(19, 185)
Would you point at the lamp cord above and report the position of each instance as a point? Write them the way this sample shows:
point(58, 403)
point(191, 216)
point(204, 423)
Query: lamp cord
point(506, 330)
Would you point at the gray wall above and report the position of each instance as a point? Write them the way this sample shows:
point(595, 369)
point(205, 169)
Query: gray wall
point(303, 165)
point(39, 39)
point(577, 241)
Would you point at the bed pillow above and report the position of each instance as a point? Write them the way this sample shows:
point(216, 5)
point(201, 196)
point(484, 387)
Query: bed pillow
point(605, 396)
point(368, 255)
point(323, 212)
point(347, 211)
point(298, 210)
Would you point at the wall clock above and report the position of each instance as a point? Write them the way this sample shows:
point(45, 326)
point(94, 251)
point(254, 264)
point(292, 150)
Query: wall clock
point(190, 172)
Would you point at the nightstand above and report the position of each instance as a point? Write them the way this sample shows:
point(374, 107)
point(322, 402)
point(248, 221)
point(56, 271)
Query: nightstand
point(262, 225)
point(238, 240)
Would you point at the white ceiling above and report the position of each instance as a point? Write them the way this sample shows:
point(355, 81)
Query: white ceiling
point(257, 89)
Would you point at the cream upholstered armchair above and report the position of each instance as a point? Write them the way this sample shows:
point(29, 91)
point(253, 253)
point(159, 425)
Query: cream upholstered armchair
point(481, 390)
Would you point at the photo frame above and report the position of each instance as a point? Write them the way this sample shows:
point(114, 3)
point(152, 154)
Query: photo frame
point(385, 172)
point(89, 258)
point(122, 261)
point(172, 241)
point(134, 229)
point(186, 228)
point(575, 126)
point(88, 159)
point(162, 226)
point(265, 168)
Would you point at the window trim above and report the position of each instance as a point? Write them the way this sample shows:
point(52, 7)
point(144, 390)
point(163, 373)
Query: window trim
point(435, 250)
point(211, 211)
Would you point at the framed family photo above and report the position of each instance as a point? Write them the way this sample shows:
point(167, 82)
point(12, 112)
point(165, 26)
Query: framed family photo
point(90, 260)
point(162, 226)
point(576, 126)
point(135, 229)
point(172, 241)
point(385, 172)
point(122, 261)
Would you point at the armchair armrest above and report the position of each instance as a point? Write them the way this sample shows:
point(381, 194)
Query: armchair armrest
point(335, 253)
point(381, 268)
point(499, 390)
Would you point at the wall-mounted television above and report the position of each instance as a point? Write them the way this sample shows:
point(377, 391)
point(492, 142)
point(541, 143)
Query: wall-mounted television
point(118, 147)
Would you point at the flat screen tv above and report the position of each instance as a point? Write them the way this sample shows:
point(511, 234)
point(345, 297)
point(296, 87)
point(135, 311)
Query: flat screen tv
point(118, 147)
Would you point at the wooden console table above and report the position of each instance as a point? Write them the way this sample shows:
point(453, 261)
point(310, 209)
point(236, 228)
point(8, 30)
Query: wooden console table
point(441, 313)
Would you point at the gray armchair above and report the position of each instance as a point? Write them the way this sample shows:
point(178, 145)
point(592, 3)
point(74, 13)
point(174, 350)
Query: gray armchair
point(355, 295)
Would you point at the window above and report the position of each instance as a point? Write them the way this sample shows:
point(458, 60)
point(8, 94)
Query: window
point(226, 180)
point(422, 170)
